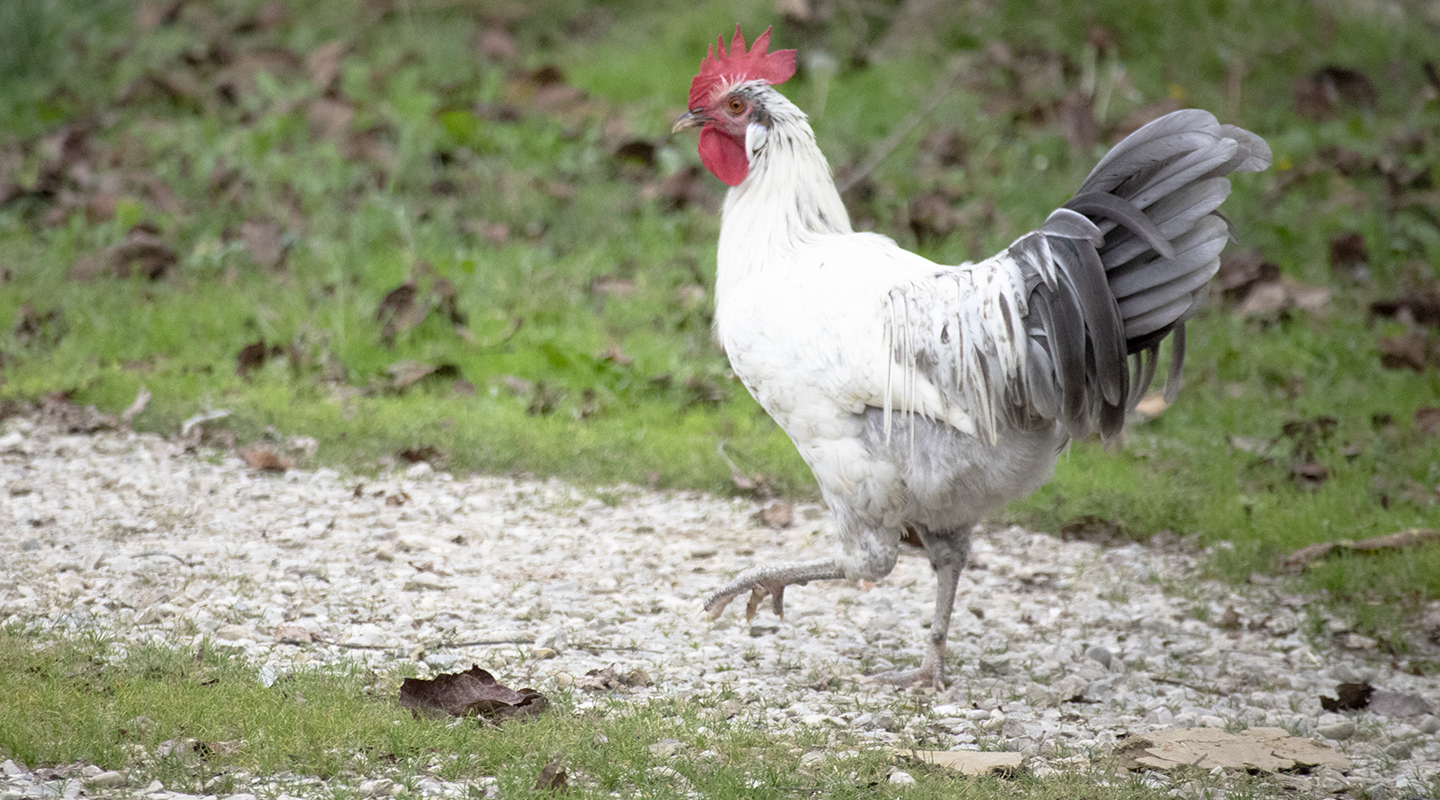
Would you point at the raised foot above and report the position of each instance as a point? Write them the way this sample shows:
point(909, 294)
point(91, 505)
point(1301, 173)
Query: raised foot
point(769, 581)
point(715, 604)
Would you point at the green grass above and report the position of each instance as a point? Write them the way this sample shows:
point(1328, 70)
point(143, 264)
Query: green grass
point(442, 148)
point(85, 699)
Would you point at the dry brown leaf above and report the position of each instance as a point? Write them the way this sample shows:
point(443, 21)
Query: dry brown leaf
point(263, 240)
point(263, 458)
point(600, 680)
point(967, 762)
point(615, 355)
point(271, 16)
point(1418, 308)
point(254, 355)
point(496, 44)
point(1152, 405)
point(1272, 297)
point(520, 386)
point(293, 633)
point(151, 14)
point(329, 119)
point(1413, 350)
point(414, 455)
point(1349, 256)
point(323, 64)
point(471, 693)
point(1242, 270)
point(552, 777)
point(683, 188)
point(144, 253)
point(32, 327)
point(776, 514)
point(613, 286)
point(399, 312)
point(1322, 93)
point(496, 233)
point(1404, 540)
point(407, 373)
point(1349, 697)
point(1427, 420)
point(1262, 749)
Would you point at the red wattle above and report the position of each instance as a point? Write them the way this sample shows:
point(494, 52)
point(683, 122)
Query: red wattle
point(723, 156)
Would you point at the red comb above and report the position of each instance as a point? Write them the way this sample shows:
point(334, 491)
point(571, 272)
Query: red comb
point(739, 65)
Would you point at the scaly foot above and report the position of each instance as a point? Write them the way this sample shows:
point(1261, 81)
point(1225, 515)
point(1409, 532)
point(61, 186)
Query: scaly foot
point(930, 672)
point(770, 581)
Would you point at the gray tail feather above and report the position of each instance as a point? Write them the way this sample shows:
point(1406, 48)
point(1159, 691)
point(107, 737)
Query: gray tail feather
point(1122, 265)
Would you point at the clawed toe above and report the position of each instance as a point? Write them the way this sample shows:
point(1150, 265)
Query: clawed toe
point(908, 678)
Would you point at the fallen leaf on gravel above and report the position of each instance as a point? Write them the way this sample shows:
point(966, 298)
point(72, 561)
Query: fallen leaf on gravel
point(263, 458)
point(552, 777)
point(1349, 697)
point(471, 693)
point(600, 680)
point(58, 409)
point(293, 633)
point(414, 455)
point(776, 514)
point(967, 762)
point(1404, 540)
point(1263, 749)
point(1096, 529)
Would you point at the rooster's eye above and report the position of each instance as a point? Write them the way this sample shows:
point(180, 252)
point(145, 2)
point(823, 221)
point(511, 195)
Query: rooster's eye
point(736, 105)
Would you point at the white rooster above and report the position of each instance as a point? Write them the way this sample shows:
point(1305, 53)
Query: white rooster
point(924, 395)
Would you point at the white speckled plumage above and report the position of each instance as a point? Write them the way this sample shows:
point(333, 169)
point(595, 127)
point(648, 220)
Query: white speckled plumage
point(924, 396)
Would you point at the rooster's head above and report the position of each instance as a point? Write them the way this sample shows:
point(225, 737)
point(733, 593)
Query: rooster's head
point(726, 99)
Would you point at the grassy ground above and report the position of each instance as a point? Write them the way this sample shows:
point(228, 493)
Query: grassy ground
point(201, 721)
point(463, 233)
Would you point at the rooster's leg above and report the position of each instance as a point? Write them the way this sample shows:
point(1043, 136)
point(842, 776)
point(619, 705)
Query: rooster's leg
point(770, 580)
point(948, 553)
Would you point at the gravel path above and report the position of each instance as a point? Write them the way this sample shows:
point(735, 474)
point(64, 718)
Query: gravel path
point(1065, 646)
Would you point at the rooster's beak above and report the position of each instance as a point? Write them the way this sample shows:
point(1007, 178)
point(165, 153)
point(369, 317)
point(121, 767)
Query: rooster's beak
point(690, 119)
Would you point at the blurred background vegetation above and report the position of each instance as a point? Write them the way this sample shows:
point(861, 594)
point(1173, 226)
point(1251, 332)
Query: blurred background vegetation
point(378, 231)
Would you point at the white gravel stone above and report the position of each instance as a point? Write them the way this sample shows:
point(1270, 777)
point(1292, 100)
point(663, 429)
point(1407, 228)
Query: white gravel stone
point(131, 534)
point(901, 778)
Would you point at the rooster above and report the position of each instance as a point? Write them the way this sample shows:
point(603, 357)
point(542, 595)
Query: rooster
point(923, 395)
